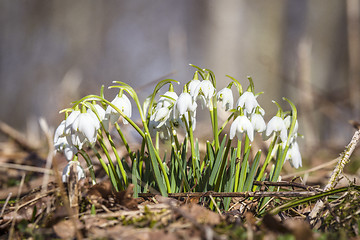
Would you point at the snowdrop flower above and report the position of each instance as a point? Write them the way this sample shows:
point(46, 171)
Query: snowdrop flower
point(100, 111)
point(85, 128)
point(287, 122)
point(163, 109)
point(165, 101)
point(61, 144)
point(123, 104)
point(258, 122)
point(225, 96)
point(184, 104)
point(239, 126)
point(248, 101)
point(294, 156)
point(277, 124)
point(59, 132)
point(66, 173)
point(192, 86)
point(69, 121)
point(207, 91)
point(161, 115)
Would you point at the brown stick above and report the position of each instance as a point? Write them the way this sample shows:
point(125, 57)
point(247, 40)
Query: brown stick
point(17, 137)
point(257, 194)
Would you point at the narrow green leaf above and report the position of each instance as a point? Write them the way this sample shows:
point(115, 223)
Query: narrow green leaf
point(243, 171)
point(216, 166)
point(229, 185)
point(155, 167)
point(251, 176)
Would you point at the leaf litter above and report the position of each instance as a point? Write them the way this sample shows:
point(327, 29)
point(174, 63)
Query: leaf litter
point(100, 212)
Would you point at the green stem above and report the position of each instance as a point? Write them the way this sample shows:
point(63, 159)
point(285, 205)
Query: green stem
point(214, 122)
point(89, 164)
point(238, 164)
point(103, 164)
point(124, 140)
point(111, 163)
point(122, 170)
point(268, 158)
point(222, 167)
point(192, 145)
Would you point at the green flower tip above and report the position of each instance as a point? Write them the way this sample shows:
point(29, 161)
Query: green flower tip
point(196, 75)
point(280, 111)
point(251, 86)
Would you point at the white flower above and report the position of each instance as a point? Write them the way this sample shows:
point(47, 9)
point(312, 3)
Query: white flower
point(206, 89)
point(225, 96)
point(184, 104)
point(161, 115)
point(167, 102)
point(239, 126)
point(59, 132)
point(66, 173)
point(123, 104)
point(69, 121)
point(258, 122)
point(163, 110)
point(248, 101)
point(193, 84)
point(85, 128)
point(277, 124)
point(100, 111)
point(294, 156)
point(287, 122)
point(61, 144)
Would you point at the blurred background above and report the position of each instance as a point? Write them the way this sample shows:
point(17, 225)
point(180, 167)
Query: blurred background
point(54, 52)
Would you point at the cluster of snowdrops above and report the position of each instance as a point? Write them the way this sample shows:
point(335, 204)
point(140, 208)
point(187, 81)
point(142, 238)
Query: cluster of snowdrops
point(226, 165)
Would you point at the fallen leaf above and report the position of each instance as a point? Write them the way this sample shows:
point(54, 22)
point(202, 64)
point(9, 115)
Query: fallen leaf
point(201, 214)
point(103, 193)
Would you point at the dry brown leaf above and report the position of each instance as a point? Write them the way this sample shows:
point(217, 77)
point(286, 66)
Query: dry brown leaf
point(201, 214)
point(104, 192)
point(66, 229)
point(300, 229)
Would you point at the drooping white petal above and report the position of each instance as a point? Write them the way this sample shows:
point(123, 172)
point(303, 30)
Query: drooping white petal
point(258, 122)
point(88, 126)
point(66, 172)
point(276, 124)
point(240, 125)
point(287, 122)
point(123, 104)
point(248, 101)
point(225, 96)
point(206, 89)
point(192, 86)
point(70, 151)
point(167, 102)
point(59, 132)
point(183, 104)
point(294, 155)
point(69, 121)
point(100, 111)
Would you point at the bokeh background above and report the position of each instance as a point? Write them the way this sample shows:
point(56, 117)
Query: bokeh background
point(55, 51)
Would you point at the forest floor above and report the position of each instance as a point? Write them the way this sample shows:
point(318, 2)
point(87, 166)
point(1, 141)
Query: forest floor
point(36, 205)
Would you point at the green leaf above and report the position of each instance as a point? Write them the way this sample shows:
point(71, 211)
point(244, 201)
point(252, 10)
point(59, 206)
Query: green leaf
point(215, 168)
point(135, 175)
point(155, 167)
point(182, 171)
point(229, 185)
point(318, 196)
point(251, 176)
point(243, 171)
